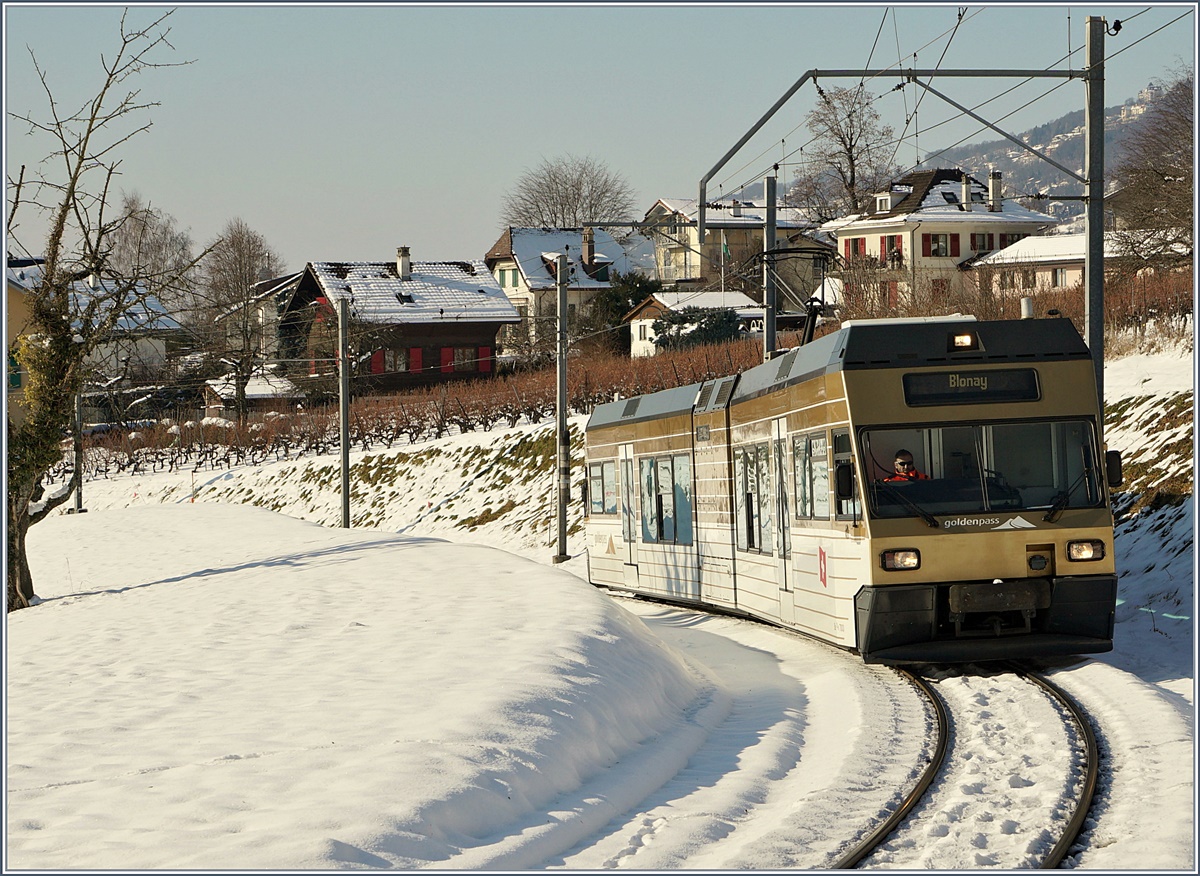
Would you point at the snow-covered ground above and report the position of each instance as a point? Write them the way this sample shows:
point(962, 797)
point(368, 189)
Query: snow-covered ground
point(210, 685)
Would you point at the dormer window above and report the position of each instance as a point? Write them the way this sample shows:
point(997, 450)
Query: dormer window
point(883, 203)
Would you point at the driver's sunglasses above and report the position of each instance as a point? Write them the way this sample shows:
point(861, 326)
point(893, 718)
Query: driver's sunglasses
point(907, 463)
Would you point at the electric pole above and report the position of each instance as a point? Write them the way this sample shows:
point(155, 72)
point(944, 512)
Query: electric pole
point(560, 425)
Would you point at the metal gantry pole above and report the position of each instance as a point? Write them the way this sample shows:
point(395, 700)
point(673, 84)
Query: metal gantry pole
point(1093, 262)
point(769, 286)
point(560, 425)
point(344, 403)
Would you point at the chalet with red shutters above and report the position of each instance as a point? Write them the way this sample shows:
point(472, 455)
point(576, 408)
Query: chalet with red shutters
point(924, 233)
point(410, 323)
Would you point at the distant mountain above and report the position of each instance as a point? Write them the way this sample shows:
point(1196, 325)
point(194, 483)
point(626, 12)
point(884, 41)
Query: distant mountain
point(1062, 139)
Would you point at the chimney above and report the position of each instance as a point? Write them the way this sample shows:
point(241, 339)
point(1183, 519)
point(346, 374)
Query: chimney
point(589, 247)
point(966, 192)
point(737, 208)
point(403, 263)
point(93, 281)
point(994, 195)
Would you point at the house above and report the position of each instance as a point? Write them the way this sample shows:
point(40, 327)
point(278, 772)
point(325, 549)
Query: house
point(134, 350)
point(265, 391)
point(524, 262)
point(641, 318)
point(734, 242)
point(411, 323)
point(255, 322)
point(138, 345)
point(923, 233)
point(1053, 261)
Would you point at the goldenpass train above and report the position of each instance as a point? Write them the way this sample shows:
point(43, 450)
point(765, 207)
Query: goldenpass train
point(776, 494)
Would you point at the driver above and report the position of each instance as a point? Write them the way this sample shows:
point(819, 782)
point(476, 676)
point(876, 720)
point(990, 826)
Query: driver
point(904, 469)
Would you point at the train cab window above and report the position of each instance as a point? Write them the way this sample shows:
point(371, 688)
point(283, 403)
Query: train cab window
point(981, 467)
point(812, 476)
point(602, 487)
point(848, 508)
point(752, 497)
point(667, 499)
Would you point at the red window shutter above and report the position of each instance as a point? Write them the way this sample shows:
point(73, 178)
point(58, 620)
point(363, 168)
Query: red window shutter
point(485, 359)
point(899, 245)
point(862, 246)
point(846, 247)
point(926, 245)
point(882, 247)
point(377, 362)
point(991, 241)
point(954, 247)
point(447, 360)
point(414, 359)
point(1003, 240)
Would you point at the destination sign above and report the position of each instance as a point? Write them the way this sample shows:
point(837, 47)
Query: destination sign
point(971, 387)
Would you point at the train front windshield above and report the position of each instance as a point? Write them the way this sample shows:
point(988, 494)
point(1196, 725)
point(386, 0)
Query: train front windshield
point(975, 468)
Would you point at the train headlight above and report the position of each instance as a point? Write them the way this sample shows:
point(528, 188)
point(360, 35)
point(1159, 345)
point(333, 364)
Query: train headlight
point(904, 560)
point(1082, 551)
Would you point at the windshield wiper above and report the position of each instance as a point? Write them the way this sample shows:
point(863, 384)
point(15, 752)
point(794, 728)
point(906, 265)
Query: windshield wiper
point(1062, 499)
point(910, 504)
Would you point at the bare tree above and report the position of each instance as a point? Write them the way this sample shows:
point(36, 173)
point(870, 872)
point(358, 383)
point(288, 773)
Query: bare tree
point(1156, 180)
point(850, 157)
point(66, 321)
point(568, 192)
point(150, 242)
point(237, 305)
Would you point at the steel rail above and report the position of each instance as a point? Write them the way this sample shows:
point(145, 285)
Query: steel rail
point(1091, 777)
point(870, 842)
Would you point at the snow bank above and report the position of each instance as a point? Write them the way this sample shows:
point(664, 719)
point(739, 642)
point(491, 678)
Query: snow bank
point(421, 693)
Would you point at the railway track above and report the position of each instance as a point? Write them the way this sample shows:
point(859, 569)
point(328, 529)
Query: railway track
point(924, 796)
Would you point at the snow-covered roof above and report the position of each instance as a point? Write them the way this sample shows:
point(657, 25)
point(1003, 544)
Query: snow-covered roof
point(142, 312)
point(434, 292)
point(926, 195)
point(720, 213)
point(260, 385)
point(1048, 248)
point(708, 299)
point(24, 276)
point(535, 249)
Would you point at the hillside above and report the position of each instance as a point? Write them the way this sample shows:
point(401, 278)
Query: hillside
point(1062, 139)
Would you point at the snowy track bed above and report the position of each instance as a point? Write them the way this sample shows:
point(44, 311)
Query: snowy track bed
point(1010, 784)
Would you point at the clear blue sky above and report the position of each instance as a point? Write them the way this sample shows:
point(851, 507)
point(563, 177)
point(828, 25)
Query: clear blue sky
point(341, 132)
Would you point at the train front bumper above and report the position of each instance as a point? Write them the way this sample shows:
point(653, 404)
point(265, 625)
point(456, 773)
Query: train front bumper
point(973, 621)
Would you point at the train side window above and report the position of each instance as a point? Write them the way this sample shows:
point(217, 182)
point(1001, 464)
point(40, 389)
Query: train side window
point(667, 499)
point(843, 456)
point(812, 476)
point(649, 504)
point(683, 499)
point(782, 508)
point(752, 498)
point(627, 520)
point(602, 487)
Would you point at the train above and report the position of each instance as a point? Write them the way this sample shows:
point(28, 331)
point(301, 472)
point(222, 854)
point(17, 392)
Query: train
point(774, 493)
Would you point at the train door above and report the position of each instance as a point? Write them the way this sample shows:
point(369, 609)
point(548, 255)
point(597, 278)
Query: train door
point(628, 514)
point(783, 521)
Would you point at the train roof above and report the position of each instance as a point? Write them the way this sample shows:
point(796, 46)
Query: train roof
point(652, 406)
point(861, 345)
